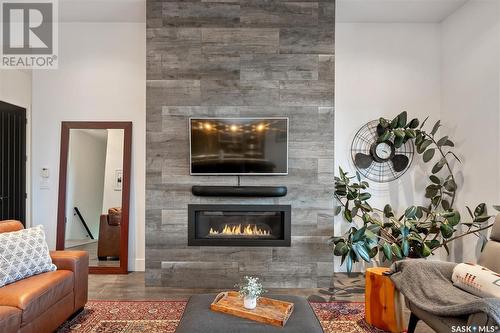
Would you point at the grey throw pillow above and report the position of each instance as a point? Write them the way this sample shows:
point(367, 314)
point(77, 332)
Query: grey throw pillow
point(22, 254)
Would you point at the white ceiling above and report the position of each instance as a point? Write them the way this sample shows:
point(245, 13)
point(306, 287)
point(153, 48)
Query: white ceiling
point(102, 11)
point(396, 11)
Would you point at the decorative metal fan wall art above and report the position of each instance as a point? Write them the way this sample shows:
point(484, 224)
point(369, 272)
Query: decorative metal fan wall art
point(380, 161)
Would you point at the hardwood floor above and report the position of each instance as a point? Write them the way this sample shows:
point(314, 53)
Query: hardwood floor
point(132, 287)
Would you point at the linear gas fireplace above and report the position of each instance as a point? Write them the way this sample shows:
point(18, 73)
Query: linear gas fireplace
point(239, 225)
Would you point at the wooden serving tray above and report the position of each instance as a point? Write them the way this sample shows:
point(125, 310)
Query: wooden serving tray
point(268, 310)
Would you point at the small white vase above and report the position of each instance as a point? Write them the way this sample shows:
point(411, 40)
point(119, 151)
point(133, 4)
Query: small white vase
point(250, 302)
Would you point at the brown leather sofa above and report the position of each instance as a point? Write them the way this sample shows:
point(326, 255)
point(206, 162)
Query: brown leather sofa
point(109, 234)
point(488, 259)
point(41, 303)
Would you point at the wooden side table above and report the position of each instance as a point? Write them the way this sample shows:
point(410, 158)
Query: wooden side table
point(383, 306)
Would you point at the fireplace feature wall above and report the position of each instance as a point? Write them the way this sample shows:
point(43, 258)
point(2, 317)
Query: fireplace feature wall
point(246, 58)
point(239, 225)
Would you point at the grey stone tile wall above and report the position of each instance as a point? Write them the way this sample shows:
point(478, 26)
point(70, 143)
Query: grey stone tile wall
point(248, 58)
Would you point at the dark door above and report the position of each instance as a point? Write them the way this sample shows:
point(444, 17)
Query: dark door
point(13, 162)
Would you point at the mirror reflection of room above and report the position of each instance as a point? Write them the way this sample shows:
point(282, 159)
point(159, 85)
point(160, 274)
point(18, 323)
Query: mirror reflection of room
point(94, 194)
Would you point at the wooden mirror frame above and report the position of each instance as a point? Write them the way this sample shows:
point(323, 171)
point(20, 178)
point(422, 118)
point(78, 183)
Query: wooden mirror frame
point(66, 126)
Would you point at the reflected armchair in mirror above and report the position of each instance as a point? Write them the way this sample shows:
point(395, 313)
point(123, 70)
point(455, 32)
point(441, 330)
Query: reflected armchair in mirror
point(94, 192)
point(108, 247)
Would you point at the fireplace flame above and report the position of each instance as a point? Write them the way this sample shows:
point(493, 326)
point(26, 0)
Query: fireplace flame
point(249, 230)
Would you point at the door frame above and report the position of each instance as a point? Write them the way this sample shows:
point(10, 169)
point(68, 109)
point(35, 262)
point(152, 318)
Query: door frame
point(27, 152)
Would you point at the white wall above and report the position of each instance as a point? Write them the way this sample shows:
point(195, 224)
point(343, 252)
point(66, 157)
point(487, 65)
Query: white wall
point(114, 161)
point(101, 77)
point(15, 88)
point(85, 183)
point(381, 70)
point(471, 105)
point(449, 71)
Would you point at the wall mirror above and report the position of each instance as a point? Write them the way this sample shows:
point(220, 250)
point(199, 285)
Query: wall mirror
point(94, 192)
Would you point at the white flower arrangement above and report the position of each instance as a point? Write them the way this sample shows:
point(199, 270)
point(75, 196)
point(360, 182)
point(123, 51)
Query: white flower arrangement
point(251, 287)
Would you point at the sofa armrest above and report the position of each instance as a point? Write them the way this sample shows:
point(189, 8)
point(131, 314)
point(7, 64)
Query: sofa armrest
point(78, 263)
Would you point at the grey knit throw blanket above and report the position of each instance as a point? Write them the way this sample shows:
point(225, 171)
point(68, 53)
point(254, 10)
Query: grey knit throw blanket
point(428, 285)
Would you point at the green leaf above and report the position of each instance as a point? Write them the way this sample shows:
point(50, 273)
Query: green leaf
point(432, 244)
point(431, 191)
point(410, 212)
point(335, 240)
point(373, 252)
point(470, 211)
point(383, 122)
point(442, 141)
point(448, 143)
point(426, 251)
point(402, 117)
point(348, 215)
point(385, 136)
point(480, 209)
point(447, 249)
point(435, 127)
point(496, 207)
point(429, 154)
point(387, 251)
point(369, 234)
point(398, 141)
point(454, 219)
point(436, 200)
point(399, 133)
point(423, 146)
point(388, 211)
point(358, 234)
point(439, 165)
point(396, 250)
point(348, 264)
point(361, 251)
point(423, 123)
point(413, 123)
point(410, 133)
point(340, 249)
point(450, 185)
point(419, 213)
point(394, 123)
point(481, 219)
point(405, 246)
point(337, 210)
point(445, 204)
point(435, 179)
point(364, 196)
point(446, 230)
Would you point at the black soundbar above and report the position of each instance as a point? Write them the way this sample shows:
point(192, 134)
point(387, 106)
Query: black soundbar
point(239, 191)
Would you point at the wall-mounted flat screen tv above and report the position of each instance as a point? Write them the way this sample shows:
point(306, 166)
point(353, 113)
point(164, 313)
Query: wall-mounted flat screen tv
point(238, 146)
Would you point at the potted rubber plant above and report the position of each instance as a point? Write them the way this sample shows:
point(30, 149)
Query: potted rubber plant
point(250, 289)
point(419, 230)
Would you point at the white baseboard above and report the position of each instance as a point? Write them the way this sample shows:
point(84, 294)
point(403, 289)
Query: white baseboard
point(138, 266)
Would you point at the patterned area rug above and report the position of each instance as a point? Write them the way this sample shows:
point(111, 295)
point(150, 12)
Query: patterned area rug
point(164, 316)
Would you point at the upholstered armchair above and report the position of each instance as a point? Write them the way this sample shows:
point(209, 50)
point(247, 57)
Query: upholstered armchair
point(109, 234)
point(490, 258)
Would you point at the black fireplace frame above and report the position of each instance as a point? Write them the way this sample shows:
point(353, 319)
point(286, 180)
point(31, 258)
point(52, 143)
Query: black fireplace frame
point(287, 225)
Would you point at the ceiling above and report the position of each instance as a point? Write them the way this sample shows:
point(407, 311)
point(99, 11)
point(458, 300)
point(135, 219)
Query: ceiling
point(383, 11)
point(396, 11)
point(112, 11)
